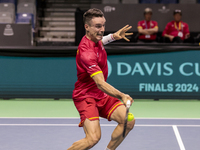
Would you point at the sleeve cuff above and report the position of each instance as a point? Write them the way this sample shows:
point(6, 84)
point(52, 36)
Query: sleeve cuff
point(92, 75)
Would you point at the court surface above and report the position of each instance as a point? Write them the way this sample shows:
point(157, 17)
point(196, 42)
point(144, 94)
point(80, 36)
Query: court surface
point(60, 133)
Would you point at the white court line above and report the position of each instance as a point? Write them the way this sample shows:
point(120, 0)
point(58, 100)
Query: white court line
point(103, 125)
point(178, 137)
point(39, 117)
point(100, 118)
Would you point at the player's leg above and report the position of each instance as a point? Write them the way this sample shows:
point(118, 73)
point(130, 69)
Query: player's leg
point(92, 136)
point(116, 138)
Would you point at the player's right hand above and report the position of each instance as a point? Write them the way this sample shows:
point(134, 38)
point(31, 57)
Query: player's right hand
point(171, 38)
point(126, 97)
point(122, 33)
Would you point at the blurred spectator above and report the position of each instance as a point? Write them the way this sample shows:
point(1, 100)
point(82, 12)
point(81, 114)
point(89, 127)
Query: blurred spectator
point(177, 31)
point(147, 28)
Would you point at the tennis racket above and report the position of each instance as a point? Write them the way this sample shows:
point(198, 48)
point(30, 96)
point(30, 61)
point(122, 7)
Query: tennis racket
point(128, 104)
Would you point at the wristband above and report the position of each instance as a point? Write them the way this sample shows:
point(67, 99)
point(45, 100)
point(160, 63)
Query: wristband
point(107, 39)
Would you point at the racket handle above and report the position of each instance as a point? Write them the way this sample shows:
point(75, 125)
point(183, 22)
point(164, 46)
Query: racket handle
point(128, 104)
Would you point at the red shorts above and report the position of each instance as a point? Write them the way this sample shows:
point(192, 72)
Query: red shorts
point(91, 109)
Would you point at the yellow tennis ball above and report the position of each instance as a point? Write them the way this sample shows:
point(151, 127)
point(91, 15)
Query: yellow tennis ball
point(130, 116)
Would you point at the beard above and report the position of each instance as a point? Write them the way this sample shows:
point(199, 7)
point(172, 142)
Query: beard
point(100, 35)
point(96, 36)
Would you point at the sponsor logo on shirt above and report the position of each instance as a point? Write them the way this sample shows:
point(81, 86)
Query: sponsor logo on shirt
point(92, 66)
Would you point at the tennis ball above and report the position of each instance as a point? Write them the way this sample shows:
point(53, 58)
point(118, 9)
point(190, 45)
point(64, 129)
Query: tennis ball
point(130, 116)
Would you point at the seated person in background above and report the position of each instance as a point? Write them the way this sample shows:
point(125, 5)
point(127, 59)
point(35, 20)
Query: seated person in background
point(147, 28)
point(177, 31)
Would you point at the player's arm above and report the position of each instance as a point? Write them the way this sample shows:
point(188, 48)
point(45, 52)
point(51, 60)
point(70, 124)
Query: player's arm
point(187, 35)
point(171, 37)
point(109, 89)
point(187, 32)
point(165, 32)
point(148, 31)
point(120, 34)
point(153, 30)
point(143, 31)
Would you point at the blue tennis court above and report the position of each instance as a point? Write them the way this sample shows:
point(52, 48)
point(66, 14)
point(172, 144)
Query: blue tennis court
point(60, 133)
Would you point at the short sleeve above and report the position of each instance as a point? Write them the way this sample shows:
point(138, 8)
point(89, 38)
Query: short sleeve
point(155, 24)
point(166, 29)
point(139, 25)
point(186, 29)
point(89, 61)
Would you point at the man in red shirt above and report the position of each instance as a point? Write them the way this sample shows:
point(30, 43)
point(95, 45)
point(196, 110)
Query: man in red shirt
point(177, 31)
point(147, 28)
point(92, 95)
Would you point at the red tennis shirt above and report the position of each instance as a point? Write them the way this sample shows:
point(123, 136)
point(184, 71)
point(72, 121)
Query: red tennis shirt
point(147, 25)
point(91, 59)
point(176, 29)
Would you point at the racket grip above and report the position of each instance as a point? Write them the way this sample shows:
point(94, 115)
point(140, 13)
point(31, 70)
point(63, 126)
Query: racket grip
point(128, 104)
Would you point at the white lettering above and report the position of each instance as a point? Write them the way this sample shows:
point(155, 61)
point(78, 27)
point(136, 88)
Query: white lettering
point(170, 87)
point(138, 69)
point(159, 69)
point(119, 68)
point(156, 87)
point(166, 67)
point(197, 69)
point(92, 66)
point(181, 69)
point(141, 86)
point(149, 70)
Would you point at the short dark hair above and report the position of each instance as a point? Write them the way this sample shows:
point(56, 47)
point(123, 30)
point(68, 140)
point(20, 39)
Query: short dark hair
point(93, 12)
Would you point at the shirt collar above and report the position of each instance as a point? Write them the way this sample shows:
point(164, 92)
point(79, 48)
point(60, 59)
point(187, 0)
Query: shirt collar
point(92, 42)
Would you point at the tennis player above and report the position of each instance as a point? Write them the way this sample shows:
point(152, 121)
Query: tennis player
point(93, 96)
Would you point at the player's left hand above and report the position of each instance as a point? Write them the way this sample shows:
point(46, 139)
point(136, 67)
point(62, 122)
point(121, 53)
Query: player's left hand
point(187, 35)
point(126, 97)
point(122, 33)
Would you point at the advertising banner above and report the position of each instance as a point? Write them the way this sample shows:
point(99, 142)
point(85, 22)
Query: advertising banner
point(168, 75)
point(157, 75)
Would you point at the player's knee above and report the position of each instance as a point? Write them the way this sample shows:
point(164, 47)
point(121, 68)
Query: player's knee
point(94, 139)
point(130, 124)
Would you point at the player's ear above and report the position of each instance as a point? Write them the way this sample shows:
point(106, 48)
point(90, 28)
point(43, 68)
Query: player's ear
point(86, 27)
